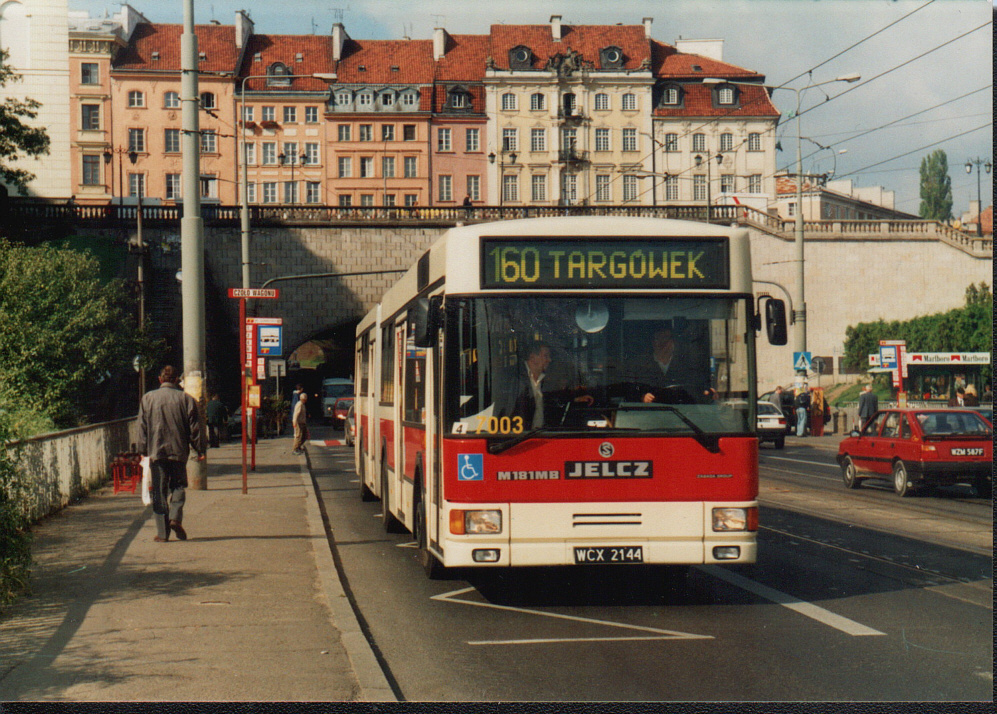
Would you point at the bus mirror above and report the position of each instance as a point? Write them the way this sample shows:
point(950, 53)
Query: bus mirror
point(775, 321)
point(425, 317)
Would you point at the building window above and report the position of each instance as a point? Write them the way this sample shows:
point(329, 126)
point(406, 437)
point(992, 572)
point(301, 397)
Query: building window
point(602, 102)
point(365, 100)
point(313, 192)
point(458, 100)
point(289, 154)
point(173, 183)
point(699, 188)
point(90, 117)
point(630, 140)
point(509, 102)
point(602, 139)
point(345, 167)
point(89, 73)
point(726, 184)
point(269, 153)
point(629, 188)
point(755, 183)
point(472, 139)
point(791, 209)
point(311, 115)
point(510, 188)
point(171, 100)
point(136, 185)
point(270, 192)
point(569, 139)
point(209, 188)
point(537, 102)
point(171, 141)
point(387, 132)
point(671, 142)
point(510, 140)
point(268, 114)
point(411, 199)
point(250, 154)
point(136, 140)
point(629, 102)
point(136, 99)
point(366, 132)
point(290, 192)
point(443, 140)
point(366, 199)
point(538, 188)
point(408, 132)
point(366, 167)
point(446, 188)
point(474, 187)
point(91, 170)
point(343, 100)
point(602, 187)
point(754, 141)
point(538, 140)
point(411, 167)
point(388, 166)
point(670, 96)
point(725, 95)
point(726, 141)
point(387, 100)
point(345, 201)
point(290, 115)
point(699, 142)
point(345, 132)
point(311, 154)
point(388, 200)
point(209, 142)
point(207, 100)
point(672, 188)
point(247, 114)
point(569, 189)
point(251, 193)
point(278, 75)
point(410, 99)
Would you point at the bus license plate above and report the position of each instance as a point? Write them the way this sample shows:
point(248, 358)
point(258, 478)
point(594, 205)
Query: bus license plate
point(609, 554)
point(967, 452)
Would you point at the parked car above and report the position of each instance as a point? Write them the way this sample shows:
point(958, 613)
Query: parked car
point(771, 424)
point(350, 427)
point(339, 411)
point(334, 389)
point(986, 410)
point(235, 424)
point(919, 448)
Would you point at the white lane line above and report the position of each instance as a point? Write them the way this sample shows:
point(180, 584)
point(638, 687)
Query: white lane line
point(826, 617)
point(568, 639)
point(803, 461)
point(663, 634)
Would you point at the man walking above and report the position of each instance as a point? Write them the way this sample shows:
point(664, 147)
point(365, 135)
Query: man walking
point(169, 426)
point(868, 405)
point(300, 422)
point(217, 416)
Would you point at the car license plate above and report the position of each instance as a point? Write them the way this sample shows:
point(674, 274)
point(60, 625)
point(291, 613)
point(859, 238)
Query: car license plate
point(968, 452)
point(609, 554)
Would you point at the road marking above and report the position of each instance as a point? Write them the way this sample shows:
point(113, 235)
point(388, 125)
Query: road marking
point(661, 634)
point(327, 442)
point(802, 461)
point(826, 617)
point(568, 639)
point(410, 544)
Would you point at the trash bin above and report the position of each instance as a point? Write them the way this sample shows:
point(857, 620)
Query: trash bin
point(126, 470)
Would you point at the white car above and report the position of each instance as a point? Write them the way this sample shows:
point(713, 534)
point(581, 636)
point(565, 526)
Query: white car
point(771, 424)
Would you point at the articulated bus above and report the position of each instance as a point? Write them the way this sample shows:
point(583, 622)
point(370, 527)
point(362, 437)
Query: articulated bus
point(567, 391)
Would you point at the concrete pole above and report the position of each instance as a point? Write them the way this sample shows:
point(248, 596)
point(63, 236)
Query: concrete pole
point(244, 192)
point(192, 237)
point(799, 300)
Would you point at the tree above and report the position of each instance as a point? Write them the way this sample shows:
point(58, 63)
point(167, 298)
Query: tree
point(936, 187)
point(61, 330)
point(16, 137)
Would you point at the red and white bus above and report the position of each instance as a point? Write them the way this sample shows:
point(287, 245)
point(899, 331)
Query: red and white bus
point(514, 407)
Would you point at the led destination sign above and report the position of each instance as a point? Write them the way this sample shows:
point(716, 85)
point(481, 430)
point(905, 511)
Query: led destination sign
point(605, 263)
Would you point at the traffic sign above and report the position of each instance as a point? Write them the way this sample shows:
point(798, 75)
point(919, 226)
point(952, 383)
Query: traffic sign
point(269, 340)
point(253, 292)
point(801, 361)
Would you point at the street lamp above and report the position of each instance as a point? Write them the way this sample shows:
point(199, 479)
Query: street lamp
point(979, 197)
point(512, 160)
point(140, 246)
point(699, 161)
point(292, 160)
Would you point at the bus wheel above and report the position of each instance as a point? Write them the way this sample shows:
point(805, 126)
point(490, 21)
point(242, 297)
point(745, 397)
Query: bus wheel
point(431, 565)
point(390, 523)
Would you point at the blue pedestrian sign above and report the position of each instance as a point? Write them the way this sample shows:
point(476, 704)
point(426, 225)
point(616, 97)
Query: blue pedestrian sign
point(269, 340)
point(801, 361)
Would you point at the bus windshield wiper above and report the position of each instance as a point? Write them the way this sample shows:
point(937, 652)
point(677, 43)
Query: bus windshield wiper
point(497, 447)
point(710, 442)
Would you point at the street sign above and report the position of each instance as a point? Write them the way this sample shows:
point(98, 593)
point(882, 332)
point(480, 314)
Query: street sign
point(888, 356)
point(278, 367)
point(253, 292)
point(818, 364)
point(801, 361)
point(269, 340)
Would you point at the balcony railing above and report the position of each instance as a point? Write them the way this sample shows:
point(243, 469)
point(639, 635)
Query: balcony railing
point(571, 156)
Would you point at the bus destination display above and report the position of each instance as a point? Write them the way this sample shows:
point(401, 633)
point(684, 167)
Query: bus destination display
point(605, 263)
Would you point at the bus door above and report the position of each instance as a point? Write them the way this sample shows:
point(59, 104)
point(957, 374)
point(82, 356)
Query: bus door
point(434, 444)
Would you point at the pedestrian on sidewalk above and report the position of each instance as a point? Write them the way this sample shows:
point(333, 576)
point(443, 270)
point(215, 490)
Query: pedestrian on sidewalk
point(299, 419)
point(217, 416)
point(169, 426)
point(868, 405)
point(802, 404)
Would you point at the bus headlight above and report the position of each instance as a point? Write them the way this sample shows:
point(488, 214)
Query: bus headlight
point(475, 522)
point(735, 519)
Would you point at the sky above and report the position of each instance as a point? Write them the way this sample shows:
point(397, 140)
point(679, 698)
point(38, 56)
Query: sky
point(926, 65)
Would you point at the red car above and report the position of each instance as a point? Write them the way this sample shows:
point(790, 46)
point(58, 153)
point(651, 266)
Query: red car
point(339, 410)
point(917, 448)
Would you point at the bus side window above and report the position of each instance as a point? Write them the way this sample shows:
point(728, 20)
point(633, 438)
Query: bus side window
point(388, 363)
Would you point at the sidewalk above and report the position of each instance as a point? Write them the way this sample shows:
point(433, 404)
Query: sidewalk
point(249, 608)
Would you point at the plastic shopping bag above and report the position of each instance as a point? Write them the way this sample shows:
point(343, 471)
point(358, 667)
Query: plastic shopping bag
point(146, 481)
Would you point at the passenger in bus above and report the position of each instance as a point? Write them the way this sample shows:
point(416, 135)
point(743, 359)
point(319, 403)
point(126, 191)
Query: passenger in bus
point(524, 394)
point(666, 374)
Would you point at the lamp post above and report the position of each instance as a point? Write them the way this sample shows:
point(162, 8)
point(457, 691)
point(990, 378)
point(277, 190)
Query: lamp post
point(292, 160)
point(140, 274)
point(699, 161)
point(654, 167)
point(978, 162)
point(512, 160)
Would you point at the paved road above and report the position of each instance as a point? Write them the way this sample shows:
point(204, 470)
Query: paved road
point(834, 611)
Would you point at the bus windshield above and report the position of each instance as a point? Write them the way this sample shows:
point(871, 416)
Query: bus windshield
point(663, 365)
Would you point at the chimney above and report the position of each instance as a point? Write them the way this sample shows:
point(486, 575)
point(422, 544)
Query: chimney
point(647, 27)
point(440, 38)
point(243, 28)
point(555, 27)
point(339, 38)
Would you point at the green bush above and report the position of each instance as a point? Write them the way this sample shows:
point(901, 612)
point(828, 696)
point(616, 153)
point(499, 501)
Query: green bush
point(15, 538)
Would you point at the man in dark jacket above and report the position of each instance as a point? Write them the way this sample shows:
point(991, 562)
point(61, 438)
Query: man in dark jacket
point(169, 426)
point(868, 405)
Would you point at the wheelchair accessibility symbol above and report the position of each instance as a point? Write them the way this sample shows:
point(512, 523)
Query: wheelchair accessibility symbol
point(471, 467)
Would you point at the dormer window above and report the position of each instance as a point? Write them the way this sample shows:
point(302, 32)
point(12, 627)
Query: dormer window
point(299, 57)
point(365, 100)
point(458, 98)
point(202, 57)
point(362, 68)
point(279, 75)
point(258, 57)
point(671, 96)
point(387, 99)
point(520, 58)
point(725, 95)
point(611, 58)
point(155, 56)
point(410, 99)
point(344, 99)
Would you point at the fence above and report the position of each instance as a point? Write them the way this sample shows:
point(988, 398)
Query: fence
point(63, 466)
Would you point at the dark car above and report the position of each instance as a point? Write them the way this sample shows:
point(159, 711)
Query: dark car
point(234, 425)
point(918, 448)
